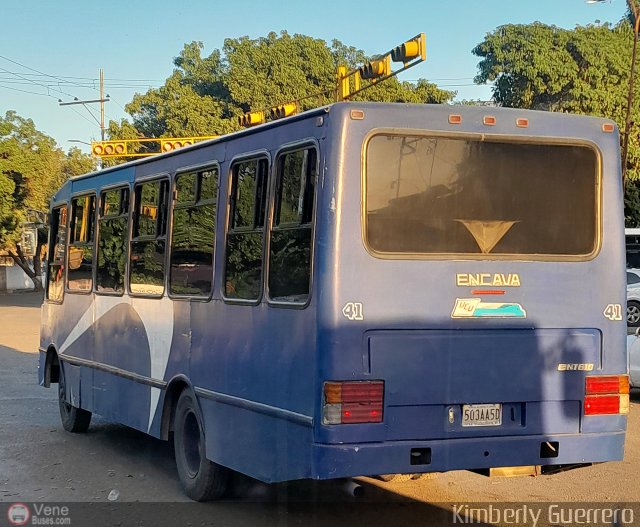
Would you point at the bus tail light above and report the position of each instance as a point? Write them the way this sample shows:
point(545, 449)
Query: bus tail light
point(352, 402)
point(606, 395)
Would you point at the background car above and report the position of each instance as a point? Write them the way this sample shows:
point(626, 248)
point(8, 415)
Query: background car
point(633, 347)
point(633, 297)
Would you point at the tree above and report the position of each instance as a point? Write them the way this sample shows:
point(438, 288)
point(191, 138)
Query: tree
point(205, 95)
point(583, 70)
point(32, 167)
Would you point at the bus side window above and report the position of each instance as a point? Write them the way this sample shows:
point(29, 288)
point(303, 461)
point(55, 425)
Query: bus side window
point(56, 254)
point(193, 233)
point(291, 232)
point(245, 233)
point(148, 242)
point(112, 240)
point(80, 259)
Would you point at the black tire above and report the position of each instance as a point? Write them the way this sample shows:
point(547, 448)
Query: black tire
point(75, 420)
point(633, 313)
point(202, 480)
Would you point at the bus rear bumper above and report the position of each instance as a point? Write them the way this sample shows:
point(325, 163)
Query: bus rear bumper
point(409, 457)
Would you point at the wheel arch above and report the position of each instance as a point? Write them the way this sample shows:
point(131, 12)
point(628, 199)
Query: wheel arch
point(172, 393)
point(51, 367)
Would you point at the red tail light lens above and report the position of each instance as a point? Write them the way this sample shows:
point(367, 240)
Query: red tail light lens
point(607, 384)
point(361, 413)
point(362, 392)
point(601, 404)
point(353, 402)
point(606, 395)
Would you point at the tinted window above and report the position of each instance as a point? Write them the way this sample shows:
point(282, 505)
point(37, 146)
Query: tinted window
point(112, 241)
point(56, 254)
point(633, 278)
point(434, 195)
point(291, 233)
point(148, 199)
point(193, 234)
point(146, 264)
point(111, 203)
point(186, 188)
point(80, 257)
point(243, 262)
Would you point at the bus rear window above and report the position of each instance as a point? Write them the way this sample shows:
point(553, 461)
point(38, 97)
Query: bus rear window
point(442, 195)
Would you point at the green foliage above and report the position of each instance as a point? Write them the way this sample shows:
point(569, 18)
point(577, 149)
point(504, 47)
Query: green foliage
point(9, 219)
point(205, 95)
point(583, 70)
point(32, 167)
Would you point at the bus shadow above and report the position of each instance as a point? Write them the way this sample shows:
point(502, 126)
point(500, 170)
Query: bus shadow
point(251, 502)
point(22, 299)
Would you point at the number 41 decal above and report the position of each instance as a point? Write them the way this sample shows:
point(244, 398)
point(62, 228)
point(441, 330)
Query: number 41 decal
point(613, 312)
point(353, 311)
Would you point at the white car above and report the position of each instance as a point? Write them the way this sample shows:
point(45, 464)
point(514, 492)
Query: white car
point(633, 347)
point(633, 297)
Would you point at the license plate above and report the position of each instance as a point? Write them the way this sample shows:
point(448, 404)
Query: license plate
point(481, 414)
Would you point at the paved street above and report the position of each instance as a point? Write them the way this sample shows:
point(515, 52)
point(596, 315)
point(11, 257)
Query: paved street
point(40, 462)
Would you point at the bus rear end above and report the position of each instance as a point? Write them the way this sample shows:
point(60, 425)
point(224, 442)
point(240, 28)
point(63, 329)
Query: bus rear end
point(472, 286)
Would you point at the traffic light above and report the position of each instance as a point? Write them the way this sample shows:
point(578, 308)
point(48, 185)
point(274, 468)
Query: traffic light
point(283, 110)
point(143, 146)
point(251, 119)
point(167, 145)
point(412, 49)
point(109, 148)
point(376, 69)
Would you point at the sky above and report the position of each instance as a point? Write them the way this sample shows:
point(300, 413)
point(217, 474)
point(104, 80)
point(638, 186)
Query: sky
point(54, 50)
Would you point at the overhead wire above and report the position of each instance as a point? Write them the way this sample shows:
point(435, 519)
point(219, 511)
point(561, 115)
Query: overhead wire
point(46, 86)
point(59, 78)
point(83, 116)
point(27, 91)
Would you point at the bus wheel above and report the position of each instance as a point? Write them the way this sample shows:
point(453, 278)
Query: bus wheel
point(201, 479)
point(73, 419)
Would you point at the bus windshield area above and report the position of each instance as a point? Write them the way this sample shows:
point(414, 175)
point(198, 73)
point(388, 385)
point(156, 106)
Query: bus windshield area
point(448, 195)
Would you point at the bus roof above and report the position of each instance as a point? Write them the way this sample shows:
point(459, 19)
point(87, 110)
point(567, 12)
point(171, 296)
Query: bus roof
point(201, 144)
point(462, 110)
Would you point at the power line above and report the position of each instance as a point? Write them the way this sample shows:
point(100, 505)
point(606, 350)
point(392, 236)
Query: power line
point(32, 69)
point(26, 91)
point(46, 86)
point(91, 78)
point(91, 86)
point(84, 117)
point(34, 82)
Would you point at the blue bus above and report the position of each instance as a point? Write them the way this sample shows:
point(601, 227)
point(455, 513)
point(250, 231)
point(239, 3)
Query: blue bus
point(361, 289)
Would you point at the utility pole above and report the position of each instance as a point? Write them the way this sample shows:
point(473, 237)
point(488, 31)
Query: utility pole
point(102, 104)
point(101, 100)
